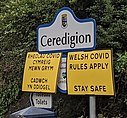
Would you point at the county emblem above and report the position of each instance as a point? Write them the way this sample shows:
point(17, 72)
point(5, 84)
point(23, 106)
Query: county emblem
point(64, 20)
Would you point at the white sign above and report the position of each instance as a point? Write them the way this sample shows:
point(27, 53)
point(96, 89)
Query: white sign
point(66, 33)
point(41, 100)
point(62, 78)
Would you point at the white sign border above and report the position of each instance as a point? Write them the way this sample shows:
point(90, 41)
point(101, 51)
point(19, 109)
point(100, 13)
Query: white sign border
point(78, 20)
point(32, 103)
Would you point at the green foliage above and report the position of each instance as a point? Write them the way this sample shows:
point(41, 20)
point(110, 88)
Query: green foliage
point(19, 20)
point(121, 64)
point(111, 24)
point(101, 116)
point(10, 79)
point(111, 17)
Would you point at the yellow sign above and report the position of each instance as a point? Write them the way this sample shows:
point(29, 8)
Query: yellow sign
point(90, 73)
point(40, 73)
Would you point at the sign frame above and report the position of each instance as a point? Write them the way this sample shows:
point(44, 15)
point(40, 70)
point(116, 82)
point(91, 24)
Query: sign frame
point(76, 19)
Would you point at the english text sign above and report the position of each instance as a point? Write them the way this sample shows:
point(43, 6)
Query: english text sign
point(41, 100)
point(90, 73)
point(66, 33)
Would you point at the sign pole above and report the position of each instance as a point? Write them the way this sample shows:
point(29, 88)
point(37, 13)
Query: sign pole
point(92, 106)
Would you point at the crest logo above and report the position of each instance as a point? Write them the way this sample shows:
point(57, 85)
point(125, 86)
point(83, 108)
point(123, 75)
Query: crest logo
point(64, 20)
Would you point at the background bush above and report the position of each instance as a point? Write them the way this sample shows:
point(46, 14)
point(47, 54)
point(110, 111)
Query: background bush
point(19, 20)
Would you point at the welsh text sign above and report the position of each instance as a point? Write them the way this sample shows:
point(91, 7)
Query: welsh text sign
point(40, 73)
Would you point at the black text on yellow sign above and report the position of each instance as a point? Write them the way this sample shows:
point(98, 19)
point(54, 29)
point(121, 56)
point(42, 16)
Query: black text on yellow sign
point(90, 73)
point(40, 73)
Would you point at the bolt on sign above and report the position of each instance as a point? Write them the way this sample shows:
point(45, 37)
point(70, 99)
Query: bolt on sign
point(40, 73)
point(90, 73)
point(66, 33)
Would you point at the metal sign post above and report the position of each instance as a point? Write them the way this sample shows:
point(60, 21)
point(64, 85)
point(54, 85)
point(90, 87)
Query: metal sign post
point(92, 106)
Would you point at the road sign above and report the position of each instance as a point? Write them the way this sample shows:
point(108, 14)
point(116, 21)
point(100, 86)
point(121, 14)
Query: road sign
point(66, 33)
point(90, 73)
point(62, 78)
point(41, 100)
point(40, 73)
